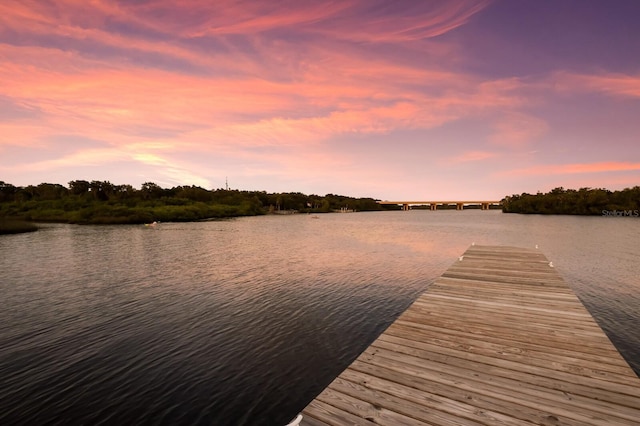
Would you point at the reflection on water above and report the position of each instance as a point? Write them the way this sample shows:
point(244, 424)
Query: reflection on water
point(244, 321)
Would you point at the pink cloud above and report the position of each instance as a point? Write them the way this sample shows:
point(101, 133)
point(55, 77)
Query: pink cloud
point(352, 20)
point(262, 99)
point(329, 88)
point(27, 134)
point(417, 21)
point(577, 168)
point(515, 129)
point(472, 156)
point(115, 103)
point(613, 84)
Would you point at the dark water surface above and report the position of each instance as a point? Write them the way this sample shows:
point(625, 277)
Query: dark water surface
point(242, 322)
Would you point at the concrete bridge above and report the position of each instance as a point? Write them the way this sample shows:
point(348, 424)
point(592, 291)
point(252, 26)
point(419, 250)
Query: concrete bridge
point(433, 205)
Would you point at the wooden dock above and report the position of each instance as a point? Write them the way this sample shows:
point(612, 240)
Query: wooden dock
point(498, 339)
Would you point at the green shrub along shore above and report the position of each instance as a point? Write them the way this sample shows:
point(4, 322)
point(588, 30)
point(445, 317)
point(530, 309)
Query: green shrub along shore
point(101, 202)
point(584, 201)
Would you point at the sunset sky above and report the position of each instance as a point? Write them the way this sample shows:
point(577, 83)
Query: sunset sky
point(424, 99)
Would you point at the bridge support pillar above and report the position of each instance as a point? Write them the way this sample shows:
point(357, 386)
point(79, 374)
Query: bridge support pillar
point(433, 205)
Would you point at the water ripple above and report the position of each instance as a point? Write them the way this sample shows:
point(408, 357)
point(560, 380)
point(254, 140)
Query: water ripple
point(242, 322)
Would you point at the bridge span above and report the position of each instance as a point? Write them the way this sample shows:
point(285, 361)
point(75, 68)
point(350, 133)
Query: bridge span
point(433, 205)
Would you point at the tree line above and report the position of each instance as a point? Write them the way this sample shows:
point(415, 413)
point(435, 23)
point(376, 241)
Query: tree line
point(584, 201)
point(101, 202)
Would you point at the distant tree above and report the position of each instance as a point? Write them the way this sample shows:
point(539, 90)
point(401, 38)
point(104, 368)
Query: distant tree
point(7, 192)
point(124, 192)
point(584, 201)
point(51, 191)
point(194, 193)
point(102, 190)
point(79, 187)
point(151, 191)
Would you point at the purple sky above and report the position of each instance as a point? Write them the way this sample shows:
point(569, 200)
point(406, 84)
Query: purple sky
point(417, 100)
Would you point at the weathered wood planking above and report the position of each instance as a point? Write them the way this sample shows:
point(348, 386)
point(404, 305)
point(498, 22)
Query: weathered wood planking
point(499, 338)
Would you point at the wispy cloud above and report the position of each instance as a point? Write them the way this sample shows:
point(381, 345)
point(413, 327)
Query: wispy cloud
point(515, 129)
point(358, 20)
point(576, 168)
point(472, 156)
point(613, 84)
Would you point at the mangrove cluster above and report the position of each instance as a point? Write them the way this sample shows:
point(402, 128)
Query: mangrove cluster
point(584, 201)
point(101, 202)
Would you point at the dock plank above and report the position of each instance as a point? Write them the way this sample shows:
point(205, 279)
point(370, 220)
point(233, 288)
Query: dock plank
point(499, 338)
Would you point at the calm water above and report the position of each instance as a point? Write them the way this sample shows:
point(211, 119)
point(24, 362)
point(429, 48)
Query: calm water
point(242, 322)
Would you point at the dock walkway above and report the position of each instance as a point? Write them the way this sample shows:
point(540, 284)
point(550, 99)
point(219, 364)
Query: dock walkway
point(498, 339)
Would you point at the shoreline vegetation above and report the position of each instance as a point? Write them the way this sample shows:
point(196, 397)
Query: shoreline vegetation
point(584, 201)
point(103, 203)
point(12, 226)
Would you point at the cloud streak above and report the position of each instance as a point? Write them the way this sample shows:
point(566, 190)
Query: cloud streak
point(473, 156)
point(576, 168)
point(612, 84)
point(517, 129)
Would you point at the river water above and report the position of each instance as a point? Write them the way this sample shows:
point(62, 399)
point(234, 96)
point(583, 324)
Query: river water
point(244, 321)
